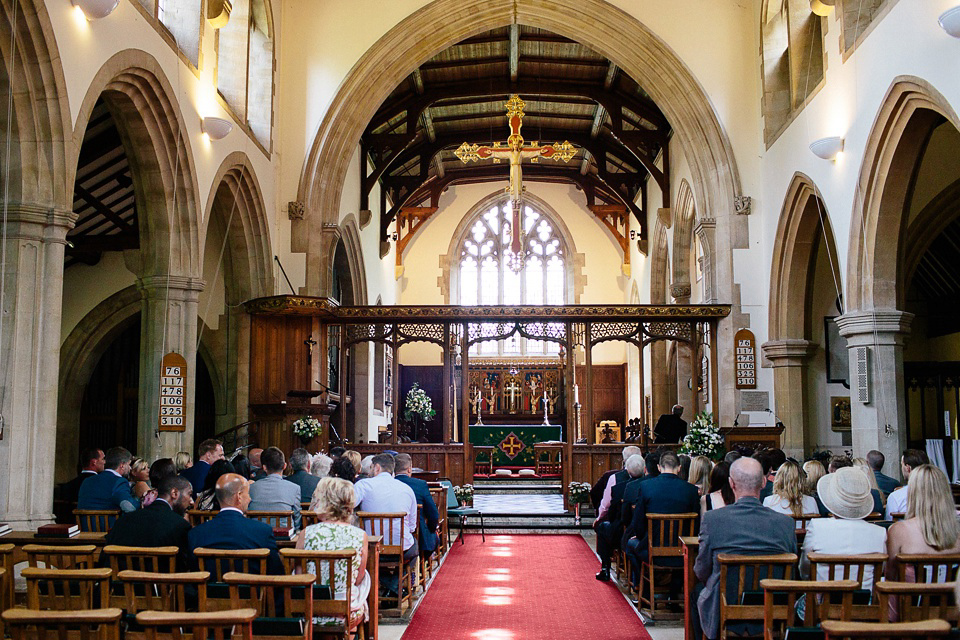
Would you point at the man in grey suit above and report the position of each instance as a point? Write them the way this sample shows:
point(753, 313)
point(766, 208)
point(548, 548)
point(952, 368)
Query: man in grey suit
point(301, 476)
point(743, 528)
point(272, 492)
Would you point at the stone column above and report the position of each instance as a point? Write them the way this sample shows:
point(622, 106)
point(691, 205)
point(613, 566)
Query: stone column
point(789, 359)
point(168, 323)
point(30, 347)
point(881, 423)
point(680, 292)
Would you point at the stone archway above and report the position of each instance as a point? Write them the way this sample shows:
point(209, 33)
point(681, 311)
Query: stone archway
point(683, 243)
point(598, 24)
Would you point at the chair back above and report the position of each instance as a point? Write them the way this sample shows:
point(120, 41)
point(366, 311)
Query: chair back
point(820, 603)
point(165, 591)
point(918, 601)
point(664, 531)
point(234, 624)
point(386, 525)
point(308, 518)
point(6, 579)
point(199, 516)
point(32, 624)
point(928, 567)
point(803, 521)
point(852, 567)
point(220, 561)
point(148, 559)
point(284, 600)
point(97, 521)
point(56, 557)
point(875, 516)
point(836, 630)
point(324, 565)
point(305, 506)
point(67, 589)
point(898, 516)
point(276, 519)
point(740, 574)
point(452, 502)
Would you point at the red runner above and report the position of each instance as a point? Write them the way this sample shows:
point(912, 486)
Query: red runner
point(517, 587)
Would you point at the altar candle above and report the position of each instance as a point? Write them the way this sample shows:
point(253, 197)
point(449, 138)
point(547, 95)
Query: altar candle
point(576, 394)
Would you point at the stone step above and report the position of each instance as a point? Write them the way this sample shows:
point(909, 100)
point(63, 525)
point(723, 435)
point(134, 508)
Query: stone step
point(527, 523)
point(511, 481)
point(504, 488)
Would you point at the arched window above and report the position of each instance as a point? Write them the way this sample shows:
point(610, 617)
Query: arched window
point(486, 277)
point(182, 18)
point(245, 65)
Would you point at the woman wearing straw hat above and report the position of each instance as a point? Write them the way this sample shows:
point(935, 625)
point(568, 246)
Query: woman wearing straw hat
point(846, 495)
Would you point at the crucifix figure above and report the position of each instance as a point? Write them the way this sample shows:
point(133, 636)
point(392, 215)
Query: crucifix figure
point(514, 390)
point(534, 384)
point(515, 151)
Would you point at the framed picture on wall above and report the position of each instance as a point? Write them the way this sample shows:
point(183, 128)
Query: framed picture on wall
point(835, 346)
point(840, 413)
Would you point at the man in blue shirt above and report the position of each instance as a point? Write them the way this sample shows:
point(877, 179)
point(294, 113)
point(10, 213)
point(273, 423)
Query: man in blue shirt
point(430, 517)
point(109, 489)
point(208, 452)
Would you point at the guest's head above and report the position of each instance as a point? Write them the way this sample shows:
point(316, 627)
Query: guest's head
point(354, 458)
point(139, 470)
point(210, 450)
point(320, 466)
point(333, 500)
point(233, 490)
point(218, 469)
point(788, 485)
point(255, 457)
point(669, 462)
point(876, 460)
point(747, 478)
point(930, 501)
point(677, 410)
point(776, 457)
point(92, 459)
point(366, 465)
point(700, 469)
point(382, 463)
point(814, 471)
point(766, 464)
point(241, 465)
point(731, 456)
point(652, 461)
point(162, 468)
point(846, 493)
point(343, 468)
point(635, 466)
point(720, 481)
point(838, 462)
point(336, 452)
point(863, 465)
point(299, 460)
point(912, 458)
point(175, 491)
point(183, 460)
point(684, 466)
point(630, 451)
point(273, 460)
point(118, 459)
point(404, 464)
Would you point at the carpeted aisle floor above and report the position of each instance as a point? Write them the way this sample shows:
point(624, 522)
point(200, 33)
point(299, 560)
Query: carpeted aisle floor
point(520, 587)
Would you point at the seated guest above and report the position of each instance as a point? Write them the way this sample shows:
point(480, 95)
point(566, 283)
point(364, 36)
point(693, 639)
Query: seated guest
point(110, 489)
point(355, 460)
point(241, 465)
point(343, 468)
point(620, 476)
point(208, 452)
point(684, 467)
point(885, 482)
point(769, 470)
point(631, 493)
point(610, 531)
point(158, 471)
point(183, 460)
point(719, 494)
point(745, 527)
point(301, 476)
point(846, 494)
point(256, 468)
point(231, 529)
point(814, 470)
point(700, 468)
point(162, 523)
point(430, 515)
point(365, 467)
point(207, 499)
point(320, 466)
point(897, 501)
point(273, 493)
point(878, 498)
point(91, 463)
point(333, 502)
point(382, 493)
point(139, 478)
point(732, 456)
point(671, 428)
point(838, 462)
point(336, 452)
point(596, 492)
point(788, 496)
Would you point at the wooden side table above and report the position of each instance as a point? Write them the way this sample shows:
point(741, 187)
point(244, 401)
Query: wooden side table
point(553, 451)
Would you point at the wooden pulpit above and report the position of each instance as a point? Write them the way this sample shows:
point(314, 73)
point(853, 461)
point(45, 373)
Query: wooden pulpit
point(752, 437)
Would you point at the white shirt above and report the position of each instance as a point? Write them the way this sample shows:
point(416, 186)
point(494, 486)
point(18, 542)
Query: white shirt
point(897, 502)
point(607, 496)
point(386, 494)
point(775, 502)
point(844, 537)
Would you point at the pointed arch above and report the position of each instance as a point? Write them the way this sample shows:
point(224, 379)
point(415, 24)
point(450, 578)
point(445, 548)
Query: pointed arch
point(683, 242)
point(350, 236)
point(660, 268)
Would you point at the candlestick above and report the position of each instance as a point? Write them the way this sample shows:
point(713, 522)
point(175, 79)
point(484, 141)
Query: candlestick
point(576, 394)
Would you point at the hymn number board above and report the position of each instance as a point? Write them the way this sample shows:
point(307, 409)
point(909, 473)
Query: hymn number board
point(173, 393)
point(746, 359)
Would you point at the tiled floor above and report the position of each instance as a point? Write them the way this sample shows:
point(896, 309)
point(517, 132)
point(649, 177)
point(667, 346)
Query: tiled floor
point(518, 503)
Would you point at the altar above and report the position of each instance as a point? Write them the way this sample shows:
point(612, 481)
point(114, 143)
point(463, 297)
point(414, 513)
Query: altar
point(513, 443)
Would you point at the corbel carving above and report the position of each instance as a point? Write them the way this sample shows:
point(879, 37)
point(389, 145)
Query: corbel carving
point(295, 210)
point(743, 205)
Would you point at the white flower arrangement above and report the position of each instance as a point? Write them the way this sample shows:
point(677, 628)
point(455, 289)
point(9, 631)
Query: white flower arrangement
point(703, 438)
point(418, 405)
point(307, 427)
point(464, 492)
point(579, 492)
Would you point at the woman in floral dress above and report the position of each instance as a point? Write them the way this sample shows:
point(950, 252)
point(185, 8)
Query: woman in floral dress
point(334, 502)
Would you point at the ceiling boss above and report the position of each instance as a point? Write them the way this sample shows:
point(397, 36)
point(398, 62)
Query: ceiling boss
point(515, 151)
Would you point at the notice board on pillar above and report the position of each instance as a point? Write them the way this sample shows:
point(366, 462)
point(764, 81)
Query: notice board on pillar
point(746, 359)
point(173, 393)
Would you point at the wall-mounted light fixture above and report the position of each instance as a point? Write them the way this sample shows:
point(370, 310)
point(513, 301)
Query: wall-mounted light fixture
point(96, 9)
point(216, 128)
point(822, 8)
point(827, 148)
point(950, 21)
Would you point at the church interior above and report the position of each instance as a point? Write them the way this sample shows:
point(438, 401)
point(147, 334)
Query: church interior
point(516, 241)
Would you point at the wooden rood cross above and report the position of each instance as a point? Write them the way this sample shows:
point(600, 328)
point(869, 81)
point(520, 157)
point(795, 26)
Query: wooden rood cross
point(515, 151)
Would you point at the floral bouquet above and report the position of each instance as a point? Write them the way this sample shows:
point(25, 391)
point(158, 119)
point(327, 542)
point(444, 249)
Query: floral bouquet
point(418, 405)
point(579, 492)
point(307, 427)
point(703, 438)
point(464, 493)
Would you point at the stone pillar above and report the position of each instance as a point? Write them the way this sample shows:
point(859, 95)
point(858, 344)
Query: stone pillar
point(168, 323)
point(30, 347)
point(880, 424)
point(686, 394)
point(789, 359)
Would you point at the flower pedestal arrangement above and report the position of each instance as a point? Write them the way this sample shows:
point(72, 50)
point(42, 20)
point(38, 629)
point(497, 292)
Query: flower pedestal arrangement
point(307, 428)
point(579, 493)
point(464, 495)
point(417, 410)
point(703, 438)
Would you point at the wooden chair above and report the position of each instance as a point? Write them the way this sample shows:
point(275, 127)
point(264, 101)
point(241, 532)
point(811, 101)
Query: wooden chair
point(486, 450)
point(308, 518)
point(305, 506)
point(928, 567)
point(454, 510)
point(391, 550)
point(804, 520)
point(199, 516)
point(43, 556)
point(553, 453)
point(334, 613)
point(235, 624)
point(780, 603)
point(836, 630)
point(94, 624)
point(6, 579)
point(220, 561)
point(918, 601)
point(276, 519)
point(67, 589)
point(663, 542)
point(97, 521)
point(742, 574)
point(439, 495)
point(898, 516)
point(852, 567)
point(149, 559)
point(875, 516)
point(284, 604)
point(149, 591)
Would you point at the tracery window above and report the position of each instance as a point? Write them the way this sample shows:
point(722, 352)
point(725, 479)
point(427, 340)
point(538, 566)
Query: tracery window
point(486, 276)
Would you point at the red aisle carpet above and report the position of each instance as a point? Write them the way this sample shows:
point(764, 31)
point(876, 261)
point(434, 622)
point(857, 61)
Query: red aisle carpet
point(523, 587)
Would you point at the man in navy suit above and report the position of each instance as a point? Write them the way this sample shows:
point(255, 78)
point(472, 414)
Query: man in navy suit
point(429, 515)
point(91, 461)
point(610, 530)
point(162, 523)
point(110, 489)
point(208, 452)
point(231, 529)
point(301, 476)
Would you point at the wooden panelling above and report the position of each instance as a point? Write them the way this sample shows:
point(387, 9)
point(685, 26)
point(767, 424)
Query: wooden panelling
point(447, 459)
point(609, 393)
point(278, 357)
point(430, 379)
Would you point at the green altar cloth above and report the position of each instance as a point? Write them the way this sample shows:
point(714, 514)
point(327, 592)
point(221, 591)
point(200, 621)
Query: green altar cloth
point(513, 444)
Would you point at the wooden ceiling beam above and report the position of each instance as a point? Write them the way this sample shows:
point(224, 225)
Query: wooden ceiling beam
point(101, 208)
